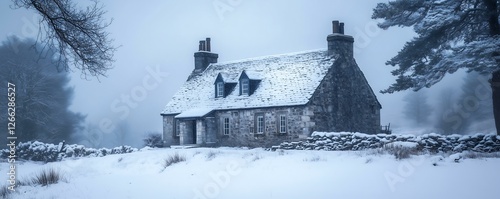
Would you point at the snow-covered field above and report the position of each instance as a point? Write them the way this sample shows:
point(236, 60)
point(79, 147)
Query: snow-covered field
point(241, 173)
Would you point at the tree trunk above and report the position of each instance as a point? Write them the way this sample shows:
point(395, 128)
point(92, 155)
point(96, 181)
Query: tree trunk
point(495, 88)
point(494, 26)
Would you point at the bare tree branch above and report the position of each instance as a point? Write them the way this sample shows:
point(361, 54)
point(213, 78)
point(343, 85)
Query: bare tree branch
point(78, 34)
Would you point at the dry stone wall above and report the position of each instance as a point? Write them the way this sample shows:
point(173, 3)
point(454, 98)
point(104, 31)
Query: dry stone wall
point(343, 141)
point(46, 152)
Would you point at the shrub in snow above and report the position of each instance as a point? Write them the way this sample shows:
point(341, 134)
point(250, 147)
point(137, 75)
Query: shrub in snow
point(123, 149)
point(38, 151)
point(153, 140)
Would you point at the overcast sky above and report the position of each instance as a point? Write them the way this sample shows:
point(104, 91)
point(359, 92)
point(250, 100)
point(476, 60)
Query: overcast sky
point(157, 40)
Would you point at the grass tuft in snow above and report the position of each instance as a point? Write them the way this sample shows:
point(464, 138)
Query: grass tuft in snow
point(212, 154)
point(400, 152)
point(315, 158)
point(281, 152)
point(47, 176)
point(4, 192)
point(256, 157)
point(245, 155)
point(170, 160)
point(196, 153)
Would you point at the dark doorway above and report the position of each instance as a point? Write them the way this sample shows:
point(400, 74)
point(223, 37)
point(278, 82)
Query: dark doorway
point(194, 131)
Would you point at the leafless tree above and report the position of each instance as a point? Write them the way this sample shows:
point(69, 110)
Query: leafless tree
point(78, 34)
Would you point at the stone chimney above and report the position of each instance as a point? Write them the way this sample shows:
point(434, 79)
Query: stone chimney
point(204, 57)
point(338, 43)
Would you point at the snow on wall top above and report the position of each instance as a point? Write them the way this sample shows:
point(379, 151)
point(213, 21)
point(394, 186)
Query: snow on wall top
point(285, 80)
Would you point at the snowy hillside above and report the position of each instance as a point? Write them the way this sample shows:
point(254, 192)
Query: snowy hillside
point(240, 173)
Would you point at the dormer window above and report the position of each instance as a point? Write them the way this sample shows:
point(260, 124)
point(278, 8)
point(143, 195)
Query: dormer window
point(249, 82)
point(245, 86)
point(220, 89)
point(224, 84)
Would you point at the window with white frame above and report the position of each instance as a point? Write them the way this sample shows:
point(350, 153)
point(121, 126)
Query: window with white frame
point(177, 128)
point(245, 87)
point(282, 123)
point(225, 124)
point(220, 89)
point(260, 124)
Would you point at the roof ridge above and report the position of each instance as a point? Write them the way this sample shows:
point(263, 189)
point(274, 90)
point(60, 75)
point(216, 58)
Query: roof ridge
point(269, 56)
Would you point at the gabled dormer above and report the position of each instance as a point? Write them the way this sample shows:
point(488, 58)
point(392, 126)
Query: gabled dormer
point(249, 82)
point(223, 85)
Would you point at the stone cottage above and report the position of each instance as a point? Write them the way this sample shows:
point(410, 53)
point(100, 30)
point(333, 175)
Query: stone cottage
point(266, 100)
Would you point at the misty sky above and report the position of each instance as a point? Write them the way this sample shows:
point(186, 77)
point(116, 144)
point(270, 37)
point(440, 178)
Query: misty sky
point(163, 35)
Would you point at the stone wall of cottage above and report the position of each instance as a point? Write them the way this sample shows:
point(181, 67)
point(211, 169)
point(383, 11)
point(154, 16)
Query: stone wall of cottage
point(169, 137)
point(243, 127)
point(344, 101)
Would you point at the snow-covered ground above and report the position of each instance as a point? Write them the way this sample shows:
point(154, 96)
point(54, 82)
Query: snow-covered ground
point(241, 173)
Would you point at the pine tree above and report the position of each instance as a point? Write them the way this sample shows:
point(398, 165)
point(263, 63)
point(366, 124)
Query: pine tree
point(451, 35)
point(42, 95)
point(475, 100)
point(448, 120)
point(417, 109)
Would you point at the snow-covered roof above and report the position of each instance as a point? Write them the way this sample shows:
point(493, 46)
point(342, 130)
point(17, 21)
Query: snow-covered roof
point(285, 80)
point(254, 75)
point(194, 112)
point(229, 78)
